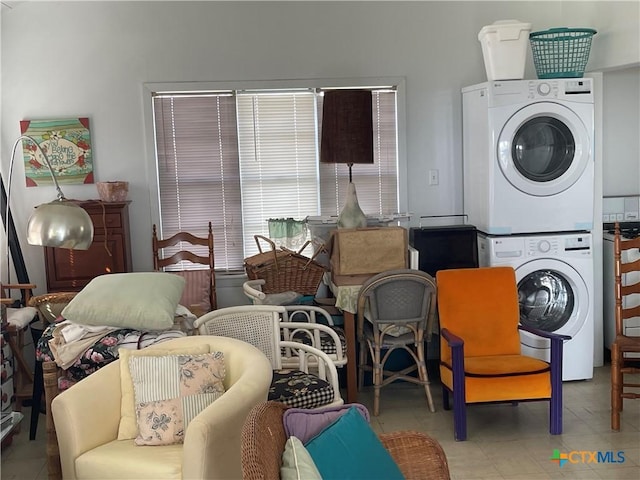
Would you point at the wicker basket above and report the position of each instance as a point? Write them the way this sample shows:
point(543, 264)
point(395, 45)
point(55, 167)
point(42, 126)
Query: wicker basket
point(284, 270)
point(112, 191)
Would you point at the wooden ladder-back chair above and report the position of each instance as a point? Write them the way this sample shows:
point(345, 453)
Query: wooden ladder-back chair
point(626, 254)
point(200, 288)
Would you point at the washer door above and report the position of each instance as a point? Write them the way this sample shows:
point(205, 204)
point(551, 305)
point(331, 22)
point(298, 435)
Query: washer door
point(543, 149)
point(553, 297)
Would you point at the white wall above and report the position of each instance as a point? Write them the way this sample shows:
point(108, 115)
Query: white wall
point(65, 59)
point(621, 175)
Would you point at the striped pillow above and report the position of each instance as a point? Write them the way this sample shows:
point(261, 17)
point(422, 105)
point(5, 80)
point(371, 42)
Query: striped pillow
point(171, 390)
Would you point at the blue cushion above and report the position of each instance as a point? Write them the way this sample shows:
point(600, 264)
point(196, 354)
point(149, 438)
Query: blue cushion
point(349, 449)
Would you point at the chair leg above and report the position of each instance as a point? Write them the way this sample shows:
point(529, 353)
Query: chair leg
point(36, 400)
point(424, 377)
point(459, 413)
point(50, 374)
point(377, 379)
point(616, 386)
point(361, 365)
point(555, 404)
point(459, 397)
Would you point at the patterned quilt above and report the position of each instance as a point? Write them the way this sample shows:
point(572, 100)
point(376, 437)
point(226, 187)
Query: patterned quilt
point(103, 351)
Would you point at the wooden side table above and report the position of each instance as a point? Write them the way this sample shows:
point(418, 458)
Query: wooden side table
point(347, 301)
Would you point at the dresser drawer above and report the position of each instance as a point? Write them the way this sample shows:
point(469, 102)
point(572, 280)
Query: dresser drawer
point(112, 220)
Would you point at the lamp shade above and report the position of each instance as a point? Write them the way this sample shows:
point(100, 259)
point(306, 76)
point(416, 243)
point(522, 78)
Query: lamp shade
point(61, 224)
point(347, 127)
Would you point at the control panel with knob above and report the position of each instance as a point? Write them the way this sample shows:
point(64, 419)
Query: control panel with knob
point(544, 89)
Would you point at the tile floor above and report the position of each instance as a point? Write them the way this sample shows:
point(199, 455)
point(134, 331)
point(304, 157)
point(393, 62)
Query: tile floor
point(504, 441)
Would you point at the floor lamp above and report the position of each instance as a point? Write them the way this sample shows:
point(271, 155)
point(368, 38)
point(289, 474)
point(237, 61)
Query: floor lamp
point(347, 137)
point(60, 223)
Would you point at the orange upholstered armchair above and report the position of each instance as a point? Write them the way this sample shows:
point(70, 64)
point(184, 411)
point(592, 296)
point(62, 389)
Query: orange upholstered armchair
point(480, 346)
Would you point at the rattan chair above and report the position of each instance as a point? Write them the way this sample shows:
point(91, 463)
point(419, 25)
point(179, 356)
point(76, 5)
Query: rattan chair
point(263, 440)
point(320, 330)
point(334, 344)
point(627, 297)
point(260, 325)
point(395, 309)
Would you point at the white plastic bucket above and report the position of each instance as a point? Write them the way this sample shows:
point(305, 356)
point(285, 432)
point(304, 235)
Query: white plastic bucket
point(504, 49)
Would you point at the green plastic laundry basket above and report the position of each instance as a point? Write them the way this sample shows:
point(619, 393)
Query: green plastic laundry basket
point(561, 52)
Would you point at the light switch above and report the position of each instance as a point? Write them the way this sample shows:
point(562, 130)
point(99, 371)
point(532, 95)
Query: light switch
point(434, 177)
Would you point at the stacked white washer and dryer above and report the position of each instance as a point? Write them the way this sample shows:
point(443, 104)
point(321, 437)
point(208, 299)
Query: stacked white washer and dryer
point(529, 190)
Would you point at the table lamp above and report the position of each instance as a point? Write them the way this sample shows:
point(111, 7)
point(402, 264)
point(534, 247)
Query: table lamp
point(347, 137)
point(59, 223)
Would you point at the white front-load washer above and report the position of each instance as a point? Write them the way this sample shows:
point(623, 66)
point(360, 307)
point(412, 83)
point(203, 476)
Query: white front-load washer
point(528, 163)
point(555, 290)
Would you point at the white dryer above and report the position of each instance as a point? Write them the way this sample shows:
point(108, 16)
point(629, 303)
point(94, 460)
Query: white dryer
point(555, 289)
point(528, 155)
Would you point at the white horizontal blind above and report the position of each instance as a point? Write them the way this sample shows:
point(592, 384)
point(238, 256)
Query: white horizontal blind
point(377, 183)
point(198, 174)
point(238, 160)
point(278, 162)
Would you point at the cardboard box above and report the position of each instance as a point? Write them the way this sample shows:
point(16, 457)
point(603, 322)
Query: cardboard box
point(358, 253)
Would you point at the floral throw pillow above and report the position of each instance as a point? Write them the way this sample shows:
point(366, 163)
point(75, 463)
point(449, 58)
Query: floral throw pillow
point(171, 390)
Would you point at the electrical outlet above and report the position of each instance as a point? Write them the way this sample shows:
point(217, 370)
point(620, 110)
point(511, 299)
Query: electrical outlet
point(605, 218)
point(434, 177)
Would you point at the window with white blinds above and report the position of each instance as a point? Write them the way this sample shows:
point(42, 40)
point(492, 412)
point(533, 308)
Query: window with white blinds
point(376, 183)
point(239, 158)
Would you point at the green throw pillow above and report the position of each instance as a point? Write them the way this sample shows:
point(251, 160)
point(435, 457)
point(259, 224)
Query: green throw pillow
point(142, 301)
point(297, 464)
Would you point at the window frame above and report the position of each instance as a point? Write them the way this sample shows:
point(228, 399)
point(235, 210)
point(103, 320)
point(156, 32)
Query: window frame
point(149, 89)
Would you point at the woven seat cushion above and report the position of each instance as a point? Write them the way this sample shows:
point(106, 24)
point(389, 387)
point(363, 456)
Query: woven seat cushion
point(327, 345)
point(298, 389)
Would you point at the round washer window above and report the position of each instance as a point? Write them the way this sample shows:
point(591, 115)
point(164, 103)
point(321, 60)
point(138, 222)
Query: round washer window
point(543, 149)
point(546, 300)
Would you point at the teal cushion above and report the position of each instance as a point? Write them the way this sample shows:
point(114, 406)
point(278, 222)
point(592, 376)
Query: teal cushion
point(349, 449)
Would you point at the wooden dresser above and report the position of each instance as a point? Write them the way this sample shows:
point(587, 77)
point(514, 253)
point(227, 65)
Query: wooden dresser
point(110, 252)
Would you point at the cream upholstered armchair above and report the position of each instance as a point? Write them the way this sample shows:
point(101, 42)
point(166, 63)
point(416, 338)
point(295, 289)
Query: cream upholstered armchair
point(87, 418)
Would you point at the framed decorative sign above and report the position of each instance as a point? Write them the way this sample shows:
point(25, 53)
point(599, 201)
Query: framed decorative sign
point(67, 145)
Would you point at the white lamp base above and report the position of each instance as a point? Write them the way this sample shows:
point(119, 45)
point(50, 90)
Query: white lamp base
point(352, 215)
